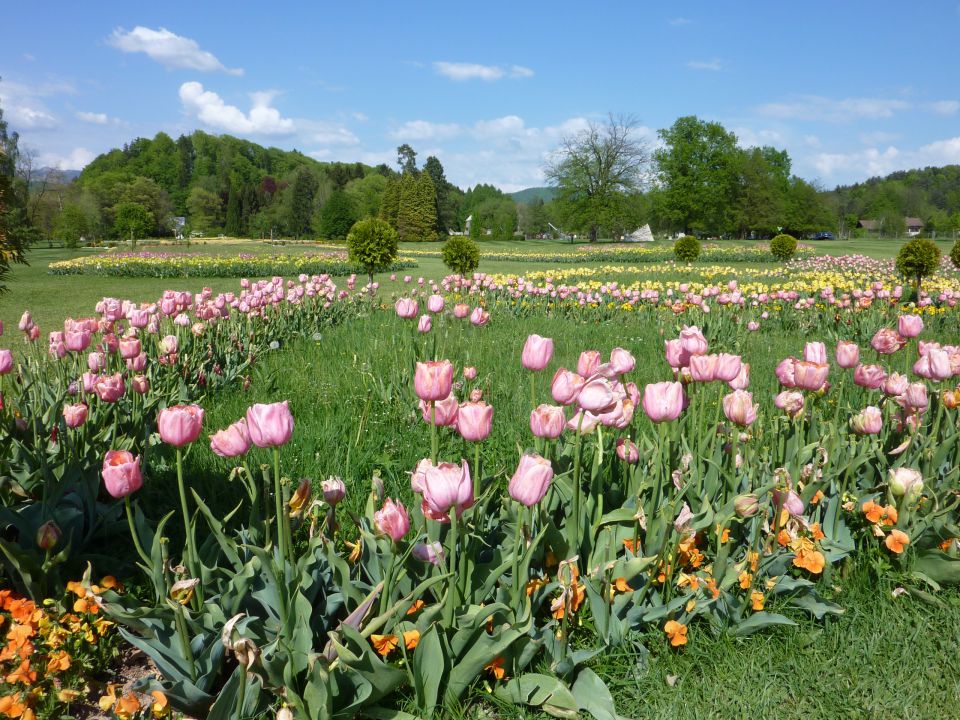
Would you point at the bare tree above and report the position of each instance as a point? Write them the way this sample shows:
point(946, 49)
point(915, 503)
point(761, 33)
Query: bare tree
point(596, 169)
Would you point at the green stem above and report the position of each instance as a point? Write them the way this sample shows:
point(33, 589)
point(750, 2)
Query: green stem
point(241, 696)
point(133, 533)
point(573, 539)
point(388, 579)
point(190, 552)
point(476, 470)
point(278, 502)
point(434, 439)
point(452, 580)
point(516, 559)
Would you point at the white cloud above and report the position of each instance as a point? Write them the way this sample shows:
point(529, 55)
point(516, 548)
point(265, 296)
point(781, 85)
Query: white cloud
point(713, 65)
point(815, 107)
point(942, 152)
point(749, 137)
point(811, 141)
point(327, 133)
point(30, 118)
point(95, 118)
point(474, 71)
point(168, 49)
point(29, 57)
point(211, 110)
point(944, 107)
point(678, 21)
point(878, 137)
point(425, 130)
point(876, 161)
point(77, 159)
point(23, 107)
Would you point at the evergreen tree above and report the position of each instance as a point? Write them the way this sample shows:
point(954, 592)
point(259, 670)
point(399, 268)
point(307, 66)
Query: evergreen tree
point(337, 216)
point(232, 227)
point(390, 203)
point(407, 211)
point(445, 205)
point(426, 208)
point(301, 205)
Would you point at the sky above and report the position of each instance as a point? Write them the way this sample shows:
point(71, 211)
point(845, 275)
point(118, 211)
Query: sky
point(851, 89)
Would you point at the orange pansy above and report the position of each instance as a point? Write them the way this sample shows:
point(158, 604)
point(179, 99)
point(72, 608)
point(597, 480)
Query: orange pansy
point(896, 541)
point(384, 644)
point(495, 667)
point(757, 600)
point(677, 632)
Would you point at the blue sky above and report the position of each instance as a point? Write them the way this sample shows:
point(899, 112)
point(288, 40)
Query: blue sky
point(850, 89)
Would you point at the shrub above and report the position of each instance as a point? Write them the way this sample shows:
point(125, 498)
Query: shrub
point(918, 258)
point(461, 255)
point(783, 247)
point(955, 254)
point(372, 244)
point(687, 248)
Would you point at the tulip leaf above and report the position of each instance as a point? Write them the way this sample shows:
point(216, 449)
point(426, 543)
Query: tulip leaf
point(429, 669)
point(759, 621)
point(543, 691)
point(938, 566)
point(593, 696)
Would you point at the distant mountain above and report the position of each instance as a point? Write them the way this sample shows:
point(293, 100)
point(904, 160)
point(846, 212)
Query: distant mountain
point(528, 195)
point(66, 175)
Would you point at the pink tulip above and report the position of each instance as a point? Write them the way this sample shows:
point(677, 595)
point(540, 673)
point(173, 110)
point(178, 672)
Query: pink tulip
point(461, 311)
point(474, 421)
point(392, 520)
point(76, 340)
point(791, 402)
point(810, 376)
point(753, 326)
point(531, 480)
point(33, 333)
point(180, 425)
point(916, 397)
point(469, 373)
point(547, 421)
point(479, 317)
point(110, 388)
point(588, 363)
point(848, 354)
point(429, 552)
point(597, 396)
point(786, 372)
point(334, 490)
point(868, 421)
point(169, 344)
point(887, 341)
point(869, 376)
point(26, 321)
point(435, 303)
point(446, 411)
point(406, 308)
point(703, 368)
point(537, 352)
point(627, 451)
point(448, 486)
point(96, 361)
point(433, 379)
point(137, 363)
point(232, 441)
point(895, 385)
point(583, 422)
point(693, 340)
point(728, 367)
point(622, 361)
point(270, 425)
point(140, 384)
point(419, 475)
point(129, 348)
point(663, 401)
point(424, 324)
point(935, 365)
point(677, 356)
point(789, 501)
point(566, 386)
point(815, 352)
point(739, 408)
point(742, 380)
point(6, 361)
point(75, 415)
point(910, 326)
point(121, 473)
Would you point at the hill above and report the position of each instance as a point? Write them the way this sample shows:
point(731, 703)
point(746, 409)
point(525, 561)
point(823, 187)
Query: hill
point(527, 195)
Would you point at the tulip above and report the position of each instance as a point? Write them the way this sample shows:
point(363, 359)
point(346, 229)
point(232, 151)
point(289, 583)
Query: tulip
point(703, 368)
point(848, 354)
point(597, 396)
point(129, 348)
point(474, 420)
point(392, 520)
point(951, 399)
point(810, 376)
point(537, 352)
point(180, 425)
point(753, 326)
point(742, 380)
point(26, 321)
point(693, 341)
point(906, 482)
point(406, 308)
point(140, 384)
point(566, 386)
point(627, 451)
point(429, 552)
point(445, 414)
point(739, 408)
point(815, 352)
point(547, 421)
point(887, 341)
point(915, 396)
point(6, 361)
point(868, 421)
point(425, 324)
point(334, 490)
point(75, 415)
point(469, 373)
point(270, 425)
point(479, 317)
point(169, 344)
point(583, 422)
point(48, 535)
point(447, 486)
point(121, 473)
point(588, 363)
point(934, 365)
point(790, 402)
point(746, 506)
point(869, 376)
point(895, 385)
point(435, 303)
point(530, 481)
point(728, 367)
point(663, 401)
point(433, 380)
point(419, 474)
point(232, 441)
point(789, 501)
point(786, 372)
point(461, 311)
point(677, 356)
point(910, 326)
point(622, 361)
point(110, 388)
point(76, 340)
point(96, 361)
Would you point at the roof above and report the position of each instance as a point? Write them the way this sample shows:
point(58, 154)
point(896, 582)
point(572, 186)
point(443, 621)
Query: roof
point(913, 222)
point(869, 224)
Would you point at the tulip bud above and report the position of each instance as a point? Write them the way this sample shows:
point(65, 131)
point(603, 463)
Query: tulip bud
point(334, 490)
point(746, 506)
point(48, 535)
point(906, 482)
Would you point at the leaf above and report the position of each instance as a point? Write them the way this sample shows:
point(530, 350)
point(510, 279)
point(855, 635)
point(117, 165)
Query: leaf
point(429, 669)
point(815, 606)
point(759, 621)
point(593, 696)
point(543, 691)
point(939, 566)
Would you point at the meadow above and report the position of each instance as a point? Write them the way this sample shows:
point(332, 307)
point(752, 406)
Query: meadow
point(869, 633)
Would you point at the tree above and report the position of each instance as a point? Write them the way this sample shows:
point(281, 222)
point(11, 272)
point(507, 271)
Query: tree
point(596, 168)
point(132, 220)
point(337, 216)
point(416, 213)
point(71, 225)
point(372, 244)
point(917, 259)
point(232, 227)
point(390, 203)
point(461, 255)
point(427, 207)
point(698, 175)
point(367, 193)
point(301, 204)
point(764, 181)
point(446, 194)
point(407, 159)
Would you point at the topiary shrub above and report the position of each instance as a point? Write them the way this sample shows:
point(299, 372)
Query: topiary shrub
point(461, 255)
point(372, 244)
point(783, 247)
point(955, 254)
point(917, 259)
point(687, 249)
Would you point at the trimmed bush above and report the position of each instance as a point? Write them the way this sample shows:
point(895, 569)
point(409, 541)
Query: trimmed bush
point(955, 254)
point(372, 244)
point(917, 259)
point(461, 255)
point(687, 249)
point(783, 247)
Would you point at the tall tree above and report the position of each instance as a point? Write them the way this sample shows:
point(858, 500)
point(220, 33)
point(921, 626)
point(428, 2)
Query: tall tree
point(407, 159)
point(596, 168)
point(337, 216)
point(234, 215)
point(408, 212)
point(301, 204)
point(426, 208)
point(390, 203)
point(11, 250)
point(445, 193)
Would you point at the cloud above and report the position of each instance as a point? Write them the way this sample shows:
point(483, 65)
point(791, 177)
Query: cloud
point(413, 130)
point(29, 57)
point(168, 49)
point(95, 118)
point(210, 109)
point(944, 107)
point(878, 137)
point(714, 65)
point(748, 137)
point(30, 118)
point(23, 107)
point(461, 72)
point(678, 21)
point(326, 133)
point(873, 161)
point(77, 159)
point(815, 107)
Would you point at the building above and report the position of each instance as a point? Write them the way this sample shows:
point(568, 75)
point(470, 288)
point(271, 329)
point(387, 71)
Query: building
point(913, 225)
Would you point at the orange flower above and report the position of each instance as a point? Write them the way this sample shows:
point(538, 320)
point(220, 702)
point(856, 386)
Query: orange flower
point(783, 538)
point(754, 559)
point(77, 588)
point(109, 582)
point(746, 580)
point(411, 638)
point(576, 593)
point(355, 549)
point(725, 536)
point(890, 515)
point(816, 531)
point(58, 662)
point(629, 545)
point(22, 674)
point(817, 497)
point(812, 560)
point(621, 586)
point(712, 587)
point(896, 541)
point(11, 706)
point(692, 580)
point(127, 706)
point(160, 707)
point(873, 511)
point(677, 632)
point(384, 644)
point(415, 607)
point(535, 584)
point(495, 667)
point(18, 635)
point(757, 600)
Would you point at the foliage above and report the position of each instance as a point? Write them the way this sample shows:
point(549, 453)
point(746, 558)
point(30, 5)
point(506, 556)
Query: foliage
point(687, 249)
point(337, 216)
point(955, 254)
point(372, 244)
point(11, 206)
point(71, 225)
point(783, 247)
point(416, 208)
point(300, 211)
point(132, 221)
point(917, 259)
point(461, 254)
